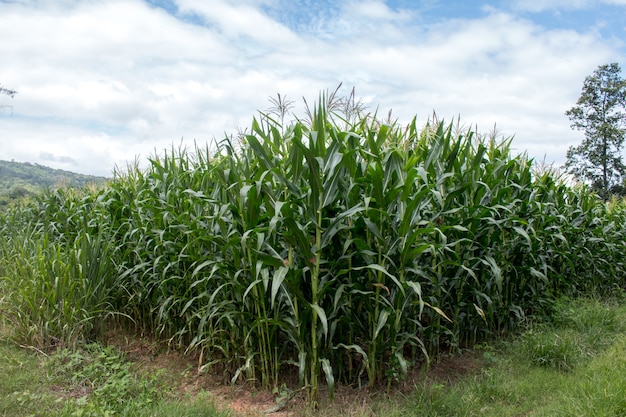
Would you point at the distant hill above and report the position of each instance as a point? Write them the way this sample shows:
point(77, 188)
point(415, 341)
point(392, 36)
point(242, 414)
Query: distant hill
point(21, 179)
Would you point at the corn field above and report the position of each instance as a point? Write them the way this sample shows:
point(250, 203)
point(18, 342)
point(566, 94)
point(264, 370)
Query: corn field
point(344, 249)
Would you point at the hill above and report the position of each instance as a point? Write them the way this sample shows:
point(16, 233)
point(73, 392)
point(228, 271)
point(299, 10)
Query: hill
point(21, 179)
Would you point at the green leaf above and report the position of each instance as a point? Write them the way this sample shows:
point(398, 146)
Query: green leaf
point(404, 364)
point(523, 233)
point(377, 267)
point(330, 379)
point(321, 314)
point(382, 320)
point(277, 281)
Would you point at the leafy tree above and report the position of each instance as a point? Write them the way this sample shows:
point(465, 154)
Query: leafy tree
point(600, 113)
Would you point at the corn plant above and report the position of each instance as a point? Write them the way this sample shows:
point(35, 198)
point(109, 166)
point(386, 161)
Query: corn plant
point(347, 249)
point(57, 295)
point(337, 246)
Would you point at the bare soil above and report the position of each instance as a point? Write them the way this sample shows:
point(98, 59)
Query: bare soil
point(182, 372)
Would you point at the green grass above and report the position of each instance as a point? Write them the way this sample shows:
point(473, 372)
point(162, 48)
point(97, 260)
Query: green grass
point(24, 389)
point(93, 381)
point(574, 366)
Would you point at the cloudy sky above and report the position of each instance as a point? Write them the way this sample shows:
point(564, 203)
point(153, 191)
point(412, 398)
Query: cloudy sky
point(102, 82)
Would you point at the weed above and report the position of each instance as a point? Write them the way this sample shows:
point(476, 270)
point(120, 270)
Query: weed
point(105, 381)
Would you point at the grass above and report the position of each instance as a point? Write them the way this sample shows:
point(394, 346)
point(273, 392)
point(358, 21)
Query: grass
point(573, 365)
point(92, 381)
point(24, 389)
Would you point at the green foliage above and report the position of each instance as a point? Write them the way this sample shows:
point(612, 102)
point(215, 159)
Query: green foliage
point(342, 247)
point(201, 405)
point(108, 384)
point(24, 390)
point(600, 113)
point(20, 180)
point(562, 350)
point(592, 385)
point(92, 380)
point(579, 331)
point(56, 275)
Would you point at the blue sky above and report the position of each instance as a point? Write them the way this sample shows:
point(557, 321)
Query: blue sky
point(101, 83)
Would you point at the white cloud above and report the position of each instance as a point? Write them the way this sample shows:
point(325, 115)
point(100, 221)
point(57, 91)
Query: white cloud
point(239, 19)
point(101, 82)
point(542, 5)
point(373, 10)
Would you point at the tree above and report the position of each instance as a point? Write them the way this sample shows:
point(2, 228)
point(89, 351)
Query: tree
point(8, 92)
point(600, 113)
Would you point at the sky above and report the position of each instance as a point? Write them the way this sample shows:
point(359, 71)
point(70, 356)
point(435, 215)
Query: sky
point(102, 83)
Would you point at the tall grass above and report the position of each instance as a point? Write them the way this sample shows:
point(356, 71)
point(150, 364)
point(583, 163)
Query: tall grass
point(56, 275)
point(341, 246)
